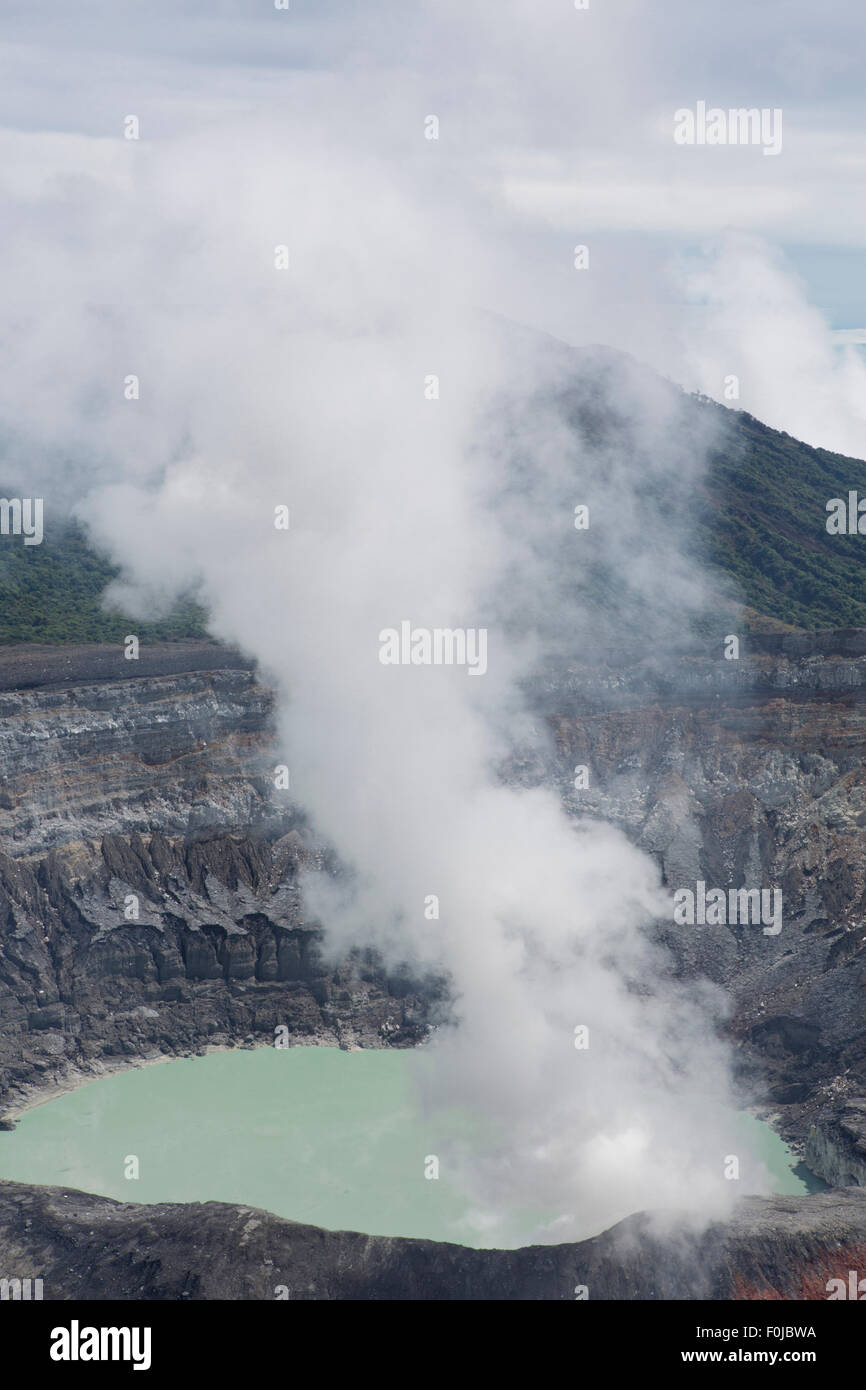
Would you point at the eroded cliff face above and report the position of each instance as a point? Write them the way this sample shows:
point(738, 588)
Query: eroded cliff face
point(220, 953)
point(750, 774)
point(173, 751)
point(148, 877)
point(743, 774)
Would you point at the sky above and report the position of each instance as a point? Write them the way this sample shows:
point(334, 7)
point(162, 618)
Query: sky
point(572, 127)
point(555, 130)
point(568, 127)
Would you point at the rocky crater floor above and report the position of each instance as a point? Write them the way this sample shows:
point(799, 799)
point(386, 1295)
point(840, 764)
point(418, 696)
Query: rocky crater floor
point(150, 905)
point(774, 1248)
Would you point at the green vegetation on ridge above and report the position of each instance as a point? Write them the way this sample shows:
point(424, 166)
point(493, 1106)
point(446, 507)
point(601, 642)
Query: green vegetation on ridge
point(764, 524)
point(760, 519)
point(51, 593)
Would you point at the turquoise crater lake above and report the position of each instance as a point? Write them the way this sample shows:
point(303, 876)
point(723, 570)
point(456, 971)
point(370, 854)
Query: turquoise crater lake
point(315, 1134)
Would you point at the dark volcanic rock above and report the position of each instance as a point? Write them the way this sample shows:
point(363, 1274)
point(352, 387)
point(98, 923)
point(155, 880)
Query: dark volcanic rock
point(30, 664)
point(772, 1248)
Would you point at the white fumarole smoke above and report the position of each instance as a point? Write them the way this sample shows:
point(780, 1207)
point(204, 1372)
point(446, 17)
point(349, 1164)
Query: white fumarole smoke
point(305, 387)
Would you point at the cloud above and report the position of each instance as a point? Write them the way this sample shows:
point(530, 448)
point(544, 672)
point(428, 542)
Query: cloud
point(754, 321)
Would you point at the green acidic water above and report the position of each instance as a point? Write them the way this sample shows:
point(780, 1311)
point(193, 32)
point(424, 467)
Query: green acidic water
point(311, 1133)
